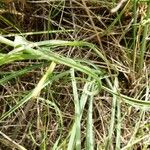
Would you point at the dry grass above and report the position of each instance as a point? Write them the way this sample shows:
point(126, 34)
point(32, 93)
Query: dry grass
point(37, 123)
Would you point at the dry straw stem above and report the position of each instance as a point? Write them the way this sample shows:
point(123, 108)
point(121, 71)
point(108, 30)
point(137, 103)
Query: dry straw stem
point(119, 5)
point(9, 142)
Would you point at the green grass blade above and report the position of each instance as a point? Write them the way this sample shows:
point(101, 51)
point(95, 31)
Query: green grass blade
point(141, 104)
point(71, 143)
point(37, 33)
point(77, 111)
point(113, 113)
point(18, 73)
point(83, 100)
point(89, 130)
point(118, 116)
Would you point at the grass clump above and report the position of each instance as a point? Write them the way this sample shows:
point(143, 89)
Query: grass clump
point(74, 75)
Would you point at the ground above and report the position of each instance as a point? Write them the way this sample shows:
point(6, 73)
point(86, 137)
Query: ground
point(74, 74)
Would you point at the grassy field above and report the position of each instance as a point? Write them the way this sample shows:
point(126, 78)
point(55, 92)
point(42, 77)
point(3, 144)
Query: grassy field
point(75, 74)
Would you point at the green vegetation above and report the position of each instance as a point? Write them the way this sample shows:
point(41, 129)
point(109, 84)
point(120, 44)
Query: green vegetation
point(74, 75)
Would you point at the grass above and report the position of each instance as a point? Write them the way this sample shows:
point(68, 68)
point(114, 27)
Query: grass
point(75, 75)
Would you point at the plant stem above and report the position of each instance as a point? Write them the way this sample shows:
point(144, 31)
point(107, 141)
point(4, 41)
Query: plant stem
point(144, 42)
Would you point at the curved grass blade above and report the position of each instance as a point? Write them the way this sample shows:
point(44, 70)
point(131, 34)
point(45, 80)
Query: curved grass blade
point(30, 53)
